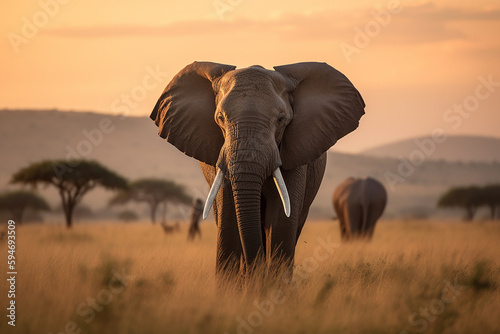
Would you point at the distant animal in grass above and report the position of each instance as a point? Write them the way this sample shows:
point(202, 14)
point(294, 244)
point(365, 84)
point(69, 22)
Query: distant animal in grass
point(359, 203)
point(194, 225)
point(168, 229)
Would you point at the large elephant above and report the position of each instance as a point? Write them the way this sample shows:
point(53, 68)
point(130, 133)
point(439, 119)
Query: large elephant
point(359, 203)
point(260, 136)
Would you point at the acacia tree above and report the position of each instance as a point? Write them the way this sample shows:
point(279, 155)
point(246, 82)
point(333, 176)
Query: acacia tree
point(80, 211)
point(72, 178)
point(491, 198)
point(468, 198)
point(16, 203)
point(154, 192)
point(471, 198)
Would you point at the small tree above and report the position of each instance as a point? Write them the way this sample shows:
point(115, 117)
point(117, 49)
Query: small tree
point(73, 179)
point(154, 192)
point(468, 198)
point(491, 198)
point(16, 203)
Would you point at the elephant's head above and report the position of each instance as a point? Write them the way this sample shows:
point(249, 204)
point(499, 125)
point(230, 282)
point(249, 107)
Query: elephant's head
point(250, 122)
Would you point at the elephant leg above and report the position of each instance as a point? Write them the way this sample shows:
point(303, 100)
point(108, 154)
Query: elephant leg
point(304, 183)
point(340, 210)
point(315, 173)
point(345, 232)
point(281, 230)
point(355, 219)
point(375, 212)
point(229, 250)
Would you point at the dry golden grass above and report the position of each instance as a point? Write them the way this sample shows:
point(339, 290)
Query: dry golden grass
point(65, 277)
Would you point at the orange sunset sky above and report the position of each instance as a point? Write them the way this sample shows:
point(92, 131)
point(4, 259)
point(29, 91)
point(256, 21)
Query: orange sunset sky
point(418, 62)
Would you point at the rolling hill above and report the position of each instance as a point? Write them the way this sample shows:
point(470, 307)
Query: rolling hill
point(454, 148)
point(132, 147)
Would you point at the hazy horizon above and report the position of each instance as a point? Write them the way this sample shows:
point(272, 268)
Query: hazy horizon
point(342, 146)
point(414, 62)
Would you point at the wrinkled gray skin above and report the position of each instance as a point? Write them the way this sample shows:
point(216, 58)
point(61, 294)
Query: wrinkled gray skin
point(359, 203)
point(248, 123)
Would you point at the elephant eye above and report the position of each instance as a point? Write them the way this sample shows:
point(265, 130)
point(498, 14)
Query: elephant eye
point(221, 118)
point(281, 119)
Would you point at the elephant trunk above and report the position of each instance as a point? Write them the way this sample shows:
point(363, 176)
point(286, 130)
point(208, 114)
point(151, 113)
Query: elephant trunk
point(250, 161)
point(247, 160)
point(247, 200)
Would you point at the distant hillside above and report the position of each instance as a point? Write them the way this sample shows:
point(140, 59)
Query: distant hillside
point(133, 148)
point(131, 145)
point(454, 148)
point(412, 190)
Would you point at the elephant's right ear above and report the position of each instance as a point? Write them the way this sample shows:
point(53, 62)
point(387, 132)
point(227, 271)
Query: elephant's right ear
point(185, 111)
point(326, 107)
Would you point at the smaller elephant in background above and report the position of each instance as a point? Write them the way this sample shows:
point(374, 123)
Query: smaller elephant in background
point(194, 224)
point(359, 203)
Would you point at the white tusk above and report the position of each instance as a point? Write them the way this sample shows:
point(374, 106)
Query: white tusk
point(213, 192)
point(280, 184)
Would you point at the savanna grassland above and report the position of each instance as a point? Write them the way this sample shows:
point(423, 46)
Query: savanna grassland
point(415, 276)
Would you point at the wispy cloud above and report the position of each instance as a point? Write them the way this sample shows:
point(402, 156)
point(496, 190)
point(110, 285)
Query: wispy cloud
point(416, 24)
point(429, 11)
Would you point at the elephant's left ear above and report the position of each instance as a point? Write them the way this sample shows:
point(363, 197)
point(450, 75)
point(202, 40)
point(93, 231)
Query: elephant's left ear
point(185, 111)
point(326, 107)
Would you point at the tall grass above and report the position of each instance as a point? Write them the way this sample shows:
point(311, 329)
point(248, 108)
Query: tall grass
point(122, 278)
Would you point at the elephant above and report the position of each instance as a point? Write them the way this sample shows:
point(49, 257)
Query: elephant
point(194, 224)
point(359, 203)
point(261, 138)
